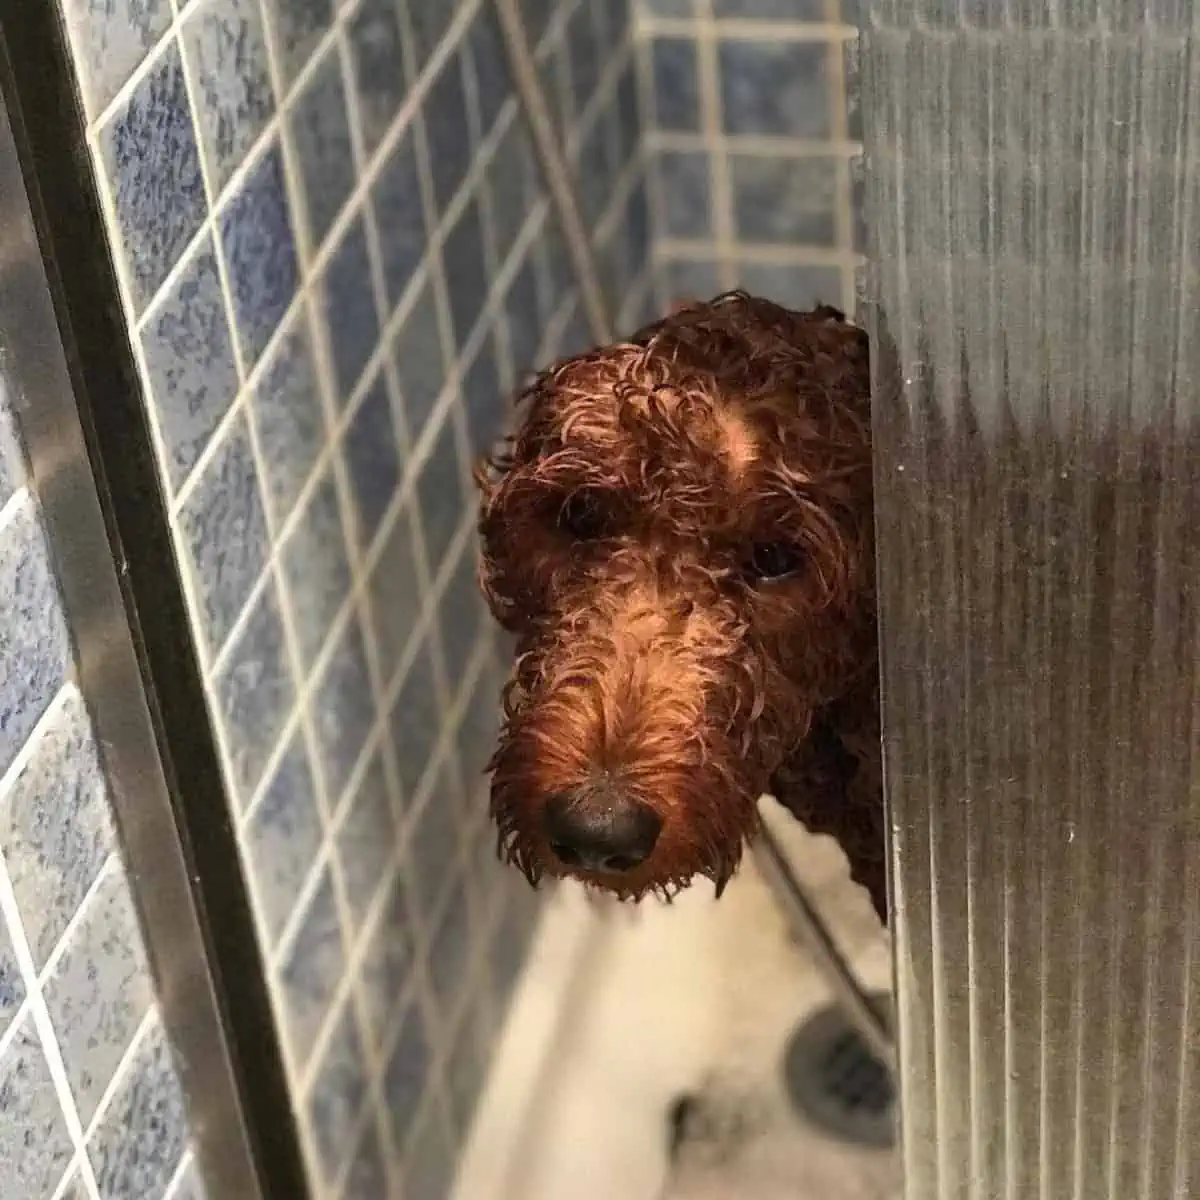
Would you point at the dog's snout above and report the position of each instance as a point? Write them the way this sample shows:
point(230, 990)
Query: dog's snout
point(600, 831)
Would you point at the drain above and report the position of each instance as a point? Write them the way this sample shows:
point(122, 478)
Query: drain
point(837, 1083)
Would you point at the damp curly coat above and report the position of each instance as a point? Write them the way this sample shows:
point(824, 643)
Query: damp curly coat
point(679, 535)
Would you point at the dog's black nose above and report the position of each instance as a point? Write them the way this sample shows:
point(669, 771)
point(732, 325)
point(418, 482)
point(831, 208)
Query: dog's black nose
point(603, 831)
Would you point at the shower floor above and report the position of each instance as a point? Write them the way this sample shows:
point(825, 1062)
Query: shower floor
point(624, 1010)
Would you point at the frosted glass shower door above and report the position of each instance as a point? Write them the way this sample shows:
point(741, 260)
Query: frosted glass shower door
point(1033, 172)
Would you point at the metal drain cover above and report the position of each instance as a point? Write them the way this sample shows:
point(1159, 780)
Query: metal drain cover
point(837, 1083)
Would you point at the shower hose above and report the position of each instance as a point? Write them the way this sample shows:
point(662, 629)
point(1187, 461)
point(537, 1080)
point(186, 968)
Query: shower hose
point(802, 916)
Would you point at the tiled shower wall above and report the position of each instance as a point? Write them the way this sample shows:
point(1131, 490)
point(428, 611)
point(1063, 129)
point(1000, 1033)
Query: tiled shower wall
point(335, 256)
point(86, 1073)
point(754, 143)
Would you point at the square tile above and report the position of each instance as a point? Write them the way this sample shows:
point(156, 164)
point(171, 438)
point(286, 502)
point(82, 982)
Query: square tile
point(224, 527)
point(110, 39)
point(512, 187)
point(190, 364)
point(377, 58)
point(225, 48)
point(676, 84)
point(35, 650)
point(368, 1178)
point(297, 27)
point(771, 10)
point(35, 1147)
point(338, 1092)
point(190, 1186)
point(524, 319)
point(312, 971)
point(852, 84)
point(467, 1067)
point(99, 991)
point(536, 16)
point(387, 965)
point(586, 57)
point(254, 694)
point(395, 595)
point(372, 459)
point(484, 399)
point(142, 1134)
point(348, 304)
point(12, 459)
point(289, 420)
point(367, 839)
point(779, 89)
point(668, 8)
point(416, 723)
point(691, 279)
point(450, 952)
point(465, 265)
point(400, 218)
point(428, 24)
point(55, 827)
point(460, 615)
point(685, 178)
point(797, 287)
point(441, 491)
point(558, 273)
point(77, 1189)
point(12, 984)
point(436, 841)
point(282, 839)
point(316, 569)
point(260, 254)
point(479, 727)
point(596, 167)
point(448, 131)
point(406, 1076)
point(556, 86)
point(509, 944)
point(636, 225)
point(343, 710)
point(493, 82)
point(790, 200)
point(420, 361)
point(628, 112)
point(321, 134)
point(429, 1165)
point(148, 148)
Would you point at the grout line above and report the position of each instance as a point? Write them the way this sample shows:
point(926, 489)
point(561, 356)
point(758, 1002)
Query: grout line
point(757, 145)
point(743, 29)
point(15, 502)
point(175, 1187)
point(151, 1018)
point(112, 864)
point(712, 124)
point(327, 804)
point(781, 254)
point(842, 197)
point(655, 194)
point(31, 743)
point(36, 1011)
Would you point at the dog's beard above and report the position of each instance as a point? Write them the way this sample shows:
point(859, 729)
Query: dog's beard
point(708, 810)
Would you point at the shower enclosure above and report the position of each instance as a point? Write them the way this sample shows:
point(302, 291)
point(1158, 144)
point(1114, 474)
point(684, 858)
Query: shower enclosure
point(269, 268)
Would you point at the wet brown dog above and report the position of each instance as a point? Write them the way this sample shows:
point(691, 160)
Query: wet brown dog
point(679, 534)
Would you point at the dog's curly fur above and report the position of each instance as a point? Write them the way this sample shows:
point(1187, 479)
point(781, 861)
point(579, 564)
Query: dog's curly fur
point(679, 534)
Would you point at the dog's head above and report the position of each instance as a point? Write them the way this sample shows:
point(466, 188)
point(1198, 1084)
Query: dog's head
point(678, 534)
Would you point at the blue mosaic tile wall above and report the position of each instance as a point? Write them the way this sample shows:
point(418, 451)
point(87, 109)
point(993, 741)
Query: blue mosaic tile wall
point(90, 1102)
point(753, 136)
point(336, 258)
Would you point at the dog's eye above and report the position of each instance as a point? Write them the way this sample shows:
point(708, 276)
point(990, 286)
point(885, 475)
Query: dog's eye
point(584, 516)
point(773, 560)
